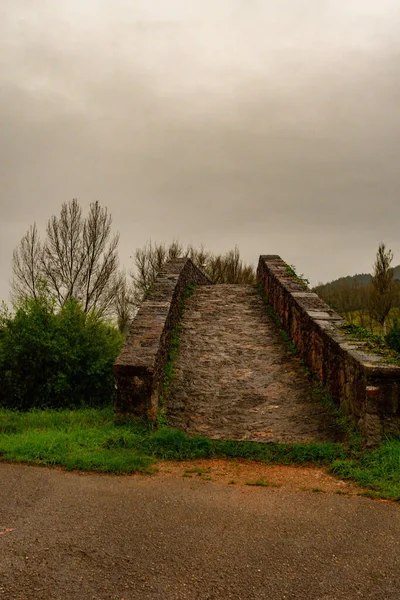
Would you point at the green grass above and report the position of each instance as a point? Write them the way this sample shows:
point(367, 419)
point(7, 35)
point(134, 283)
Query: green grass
point(88, 440)
point(378, 470)
point(81, 439)
point(261, 483)
point(198, 471)
point(358, 317)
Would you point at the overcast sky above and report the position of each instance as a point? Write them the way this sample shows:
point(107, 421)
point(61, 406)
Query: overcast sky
point(270, 124)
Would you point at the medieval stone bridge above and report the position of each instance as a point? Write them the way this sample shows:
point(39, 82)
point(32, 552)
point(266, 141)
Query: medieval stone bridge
point(234, 376)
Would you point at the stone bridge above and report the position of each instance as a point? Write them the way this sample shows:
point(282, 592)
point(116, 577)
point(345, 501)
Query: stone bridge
point(234, 372)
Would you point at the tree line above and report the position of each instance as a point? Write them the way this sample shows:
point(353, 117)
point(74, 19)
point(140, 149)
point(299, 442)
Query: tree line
point(78, 259)
point(367, 300)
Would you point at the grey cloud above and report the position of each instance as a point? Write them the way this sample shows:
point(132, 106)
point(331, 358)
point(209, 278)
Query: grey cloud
point(231, 140)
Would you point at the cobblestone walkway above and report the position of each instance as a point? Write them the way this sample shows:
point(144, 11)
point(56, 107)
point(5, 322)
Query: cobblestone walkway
point(234, 377)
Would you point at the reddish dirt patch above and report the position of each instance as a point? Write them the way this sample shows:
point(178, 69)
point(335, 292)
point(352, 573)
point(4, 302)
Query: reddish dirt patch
point(242, 472)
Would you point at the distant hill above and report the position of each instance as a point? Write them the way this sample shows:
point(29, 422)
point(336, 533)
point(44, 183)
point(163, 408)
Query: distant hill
point(361, 278)
point(350, 295)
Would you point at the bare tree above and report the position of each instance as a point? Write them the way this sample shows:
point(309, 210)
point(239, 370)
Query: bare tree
point(124, 305)
point(78, 259)
point(26, 266)
point(148, 262)
point(63, 256)
point(382, 286)
point(229, 268)
point(221, 268)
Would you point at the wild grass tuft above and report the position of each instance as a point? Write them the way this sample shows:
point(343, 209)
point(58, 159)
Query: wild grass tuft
point(377, 469)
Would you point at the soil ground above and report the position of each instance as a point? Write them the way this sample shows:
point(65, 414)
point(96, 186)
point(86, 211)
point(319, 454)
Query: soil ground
point(248, 473)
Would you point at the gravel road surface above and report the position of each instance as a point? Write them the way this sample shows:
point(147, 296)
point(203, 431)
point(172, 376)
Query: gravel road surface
point(71, 536)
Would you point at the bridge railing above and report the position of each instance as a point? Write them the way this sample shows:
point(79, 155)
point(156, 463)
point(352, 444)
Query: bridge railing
point(139, 367)
point(362, 383)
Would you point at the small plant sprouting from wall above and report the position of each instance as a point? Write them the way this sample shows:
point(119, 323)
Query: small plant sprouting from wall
point(169, 368)
point(291, 270)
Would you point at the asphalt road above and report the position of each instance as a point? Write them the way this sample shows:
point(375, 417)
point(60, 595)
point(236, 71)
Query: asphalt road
point(77, 536)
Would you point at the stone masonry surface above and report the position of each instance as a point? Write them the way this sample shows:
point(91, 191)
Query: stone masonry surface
point(234, 376)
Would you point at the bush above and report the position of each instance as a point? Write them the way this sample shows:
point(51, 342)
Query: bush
point(55, 359)
point(393, 337)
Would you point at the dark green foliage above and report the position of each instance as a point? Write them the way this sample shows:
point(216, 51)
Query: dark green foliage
point(393, 337)
point(50, 359)
point(350, 280)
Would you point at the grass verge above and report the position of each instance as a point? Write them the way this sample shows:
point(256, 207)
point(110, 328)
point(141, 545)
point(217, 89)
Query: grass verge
point(88, 440)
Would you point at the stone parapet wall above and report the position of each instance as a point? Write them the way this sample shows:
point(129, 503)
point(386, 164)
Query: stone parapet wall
point(363, 384)
point(139, 367)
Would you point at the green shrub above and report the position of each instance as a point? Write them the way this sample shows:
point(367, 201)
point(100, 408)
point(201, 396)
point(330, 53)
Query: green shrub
point(55, 359)
point(393, 337)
